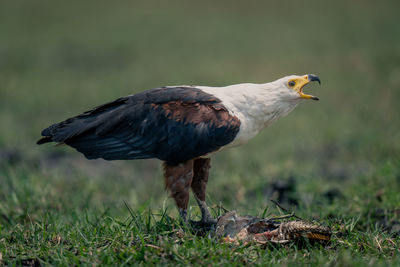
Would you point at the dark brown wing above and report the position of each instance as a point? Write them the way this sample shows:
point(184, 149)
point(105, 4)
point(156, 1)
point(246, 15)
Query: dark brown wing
point(173, 124)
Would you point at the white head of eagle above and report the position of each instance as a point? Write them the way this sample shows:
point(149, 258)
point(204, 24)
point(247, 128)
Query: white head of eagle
point(182, 126)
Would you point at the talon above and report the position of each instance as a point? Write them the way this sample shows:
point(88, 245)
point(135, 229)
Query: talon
point(208, 224)
point(183, 214)
point(209, 221)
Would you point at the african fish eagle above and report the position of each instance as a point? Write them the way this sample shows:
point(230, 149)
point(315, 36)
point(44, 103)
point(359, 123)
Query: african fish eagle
point(182, 126)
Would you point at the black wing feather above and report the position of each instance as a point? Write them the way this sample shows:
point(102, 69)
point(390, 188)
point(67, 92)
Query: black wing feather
point(172, 124)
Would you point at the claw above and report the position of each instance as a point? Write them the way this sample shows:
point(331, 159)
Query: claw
point(207, 225)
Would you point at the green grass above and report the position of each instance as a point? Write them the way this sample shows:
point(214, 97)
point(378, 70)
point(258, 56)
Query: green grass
point(59, 59)
point(58, 223)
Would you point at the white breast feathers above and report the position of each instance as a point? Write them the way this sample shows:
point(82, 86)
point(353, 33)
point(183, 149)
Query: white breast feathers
point(256, 105)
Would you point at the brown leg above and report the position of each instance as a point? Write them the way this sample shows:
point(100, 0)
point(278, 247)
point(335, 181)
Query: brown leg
point(199, 184)
point(178, 179)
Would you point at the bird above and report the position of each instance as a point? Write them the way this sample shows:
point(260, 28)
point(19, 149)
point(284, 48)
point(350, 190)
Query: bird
point(183, 126)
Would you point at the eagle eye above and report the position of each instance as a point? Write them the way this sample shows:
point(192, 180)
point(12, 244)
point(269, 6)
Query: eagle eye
point(292, 83)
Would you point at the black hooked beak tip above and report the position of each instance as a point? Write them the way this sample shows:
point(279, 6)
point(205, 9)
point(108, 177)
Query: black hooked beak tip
point(312, 77)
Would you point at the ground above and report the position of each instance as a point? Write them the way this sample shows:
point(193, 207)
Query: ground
point(335, 161)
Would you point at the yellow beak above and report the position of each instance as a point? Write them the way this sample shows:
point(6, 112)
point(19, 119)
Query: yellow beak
point(303, 81)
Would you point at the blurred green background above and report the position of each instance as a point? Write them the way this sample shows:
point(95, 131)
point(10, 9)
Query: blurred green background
point(58, 59)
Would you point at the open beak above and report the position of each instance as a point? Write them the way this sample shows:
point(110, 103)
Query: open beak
point(303, 81)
